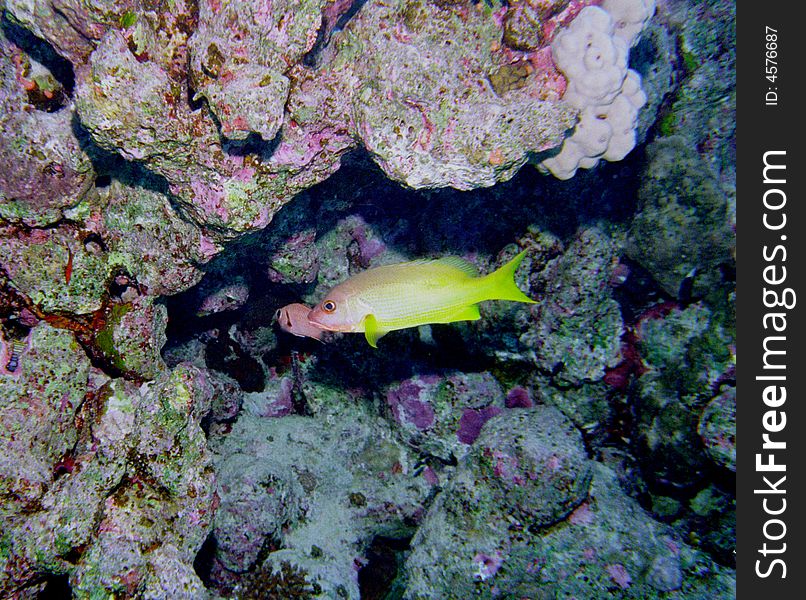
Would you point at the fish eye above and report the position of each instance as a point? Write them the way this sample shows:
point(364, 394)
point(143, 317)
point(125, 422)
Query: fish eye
point(329, 306)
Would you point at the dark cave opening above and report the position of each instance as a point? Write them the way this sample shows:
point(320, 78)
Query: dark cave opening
point(57, 587)
point(205, 558)
point(409, 223)
point(43, 53)
point(378, 579)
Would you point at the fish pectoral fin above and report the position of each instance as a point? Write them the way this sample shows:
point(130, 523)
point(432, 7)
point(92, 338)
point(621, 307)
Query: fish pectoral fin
point(372, 331)
point(466, 313)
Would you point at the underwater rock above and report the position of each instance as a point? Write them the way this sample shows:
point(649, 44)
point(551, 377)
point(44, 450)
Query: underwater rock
point(131, 97)
point(131, 461)
point(53, 268)
point(717, 428)
point(711, 520)
point(682, 230)
point(426, 106)
point(686, 353)
point(318, 130)
point(607, 546)
point(576, 328)
point(527, 470)
point(707, 519)
point(162, 512)
point(524, 22)
point(239, 54)
point(498, 487)
point(141, 234)
point(331, 485)
point(254, 509)
point(135, 244)
point(531, 463)
point(442, 416)
point(277, 399)
point(44, 169)
point(587, 406)
point(72, 27)
point(702, 110)
point(40, 400)
point(130, 105)
point(133, 335)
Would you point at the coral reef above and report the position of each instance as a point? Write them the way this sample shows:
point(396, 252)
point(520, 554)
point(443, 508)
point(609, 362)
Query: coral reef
point(687, 354)
point(44, 169)
point(163, 194)
point(477, 541)
point(682, 230)
point(442, 416)
point(453, 110)
point(96, 489)
point(592, 54)
point(576, 334)
point(333, 483)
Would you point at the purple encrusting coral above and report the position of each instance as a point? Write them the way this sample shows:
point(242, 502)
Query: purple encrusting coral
point(471, 422)
point(442, 415)
point(518, 397)
point(406, 405)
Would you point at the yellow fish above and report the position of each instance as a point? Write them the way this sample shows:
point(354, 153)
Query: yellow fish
point(409, 294)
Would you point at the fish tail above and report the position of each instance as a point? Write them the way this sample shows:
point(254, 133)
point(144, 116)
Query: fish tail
point(500, 284)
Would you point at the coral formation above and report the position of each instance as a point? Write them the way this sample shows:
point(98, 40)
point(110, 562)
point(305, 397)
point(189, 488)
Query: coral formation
point(682, 230)
point(442, 416)
point(466, 547)
point(333, 484)
point(592, 53)
point(105, 475)
point(162, 195)
point(687, 354)
point(437, 117)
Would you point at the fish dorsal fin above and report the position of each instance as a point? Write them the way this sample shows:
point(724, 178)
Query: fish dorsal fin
point(372, 331)
point(454, 262)
point(457, 262)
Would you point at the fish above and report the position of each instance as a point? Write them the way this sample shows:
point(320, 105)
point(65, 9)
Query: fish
point(410, 294)
point(293, 319)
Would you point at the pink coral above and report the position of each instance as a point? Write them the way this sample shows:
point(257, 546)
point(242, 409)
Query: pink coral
point(472, 420)
point(619, 575)
point(518, 397)
point(407, 405)
point(487, 565)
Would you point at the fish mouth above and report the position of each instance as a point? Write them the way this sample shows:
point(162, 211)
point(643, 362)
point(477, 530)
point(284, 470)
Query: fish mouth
point(322, 326)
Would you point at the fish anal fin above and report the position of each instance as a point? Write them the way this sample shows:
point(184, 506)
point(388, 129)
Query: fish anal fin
point(466, 313)
point(372, 330)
